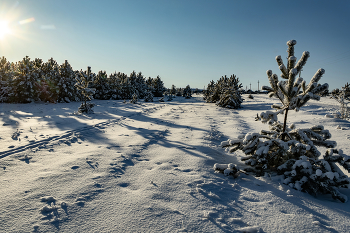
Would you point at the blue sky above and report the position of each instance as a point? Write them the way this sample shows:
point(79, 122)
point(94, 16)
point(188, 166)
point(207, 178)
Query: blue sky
point(183, 41)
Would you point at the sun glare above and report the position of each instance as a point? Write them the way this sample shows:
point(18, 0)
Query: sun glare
point(4, 29)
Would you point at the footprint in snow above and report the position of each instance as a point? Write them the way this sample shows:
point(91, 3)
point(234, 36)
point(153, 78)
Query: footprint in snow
point(124, 185)
point(250, 199)
point(80, 201)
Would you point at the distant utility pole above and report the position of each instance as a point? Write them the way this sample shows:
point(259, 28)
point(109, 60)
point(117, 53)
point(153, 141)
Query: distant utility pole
point(250, 86)
point(246, 87)
point(258, 85)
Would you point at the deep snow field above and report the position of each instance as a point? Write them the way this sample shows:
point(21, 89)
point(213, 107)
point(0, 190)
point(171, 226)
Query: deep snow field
point(148, 167)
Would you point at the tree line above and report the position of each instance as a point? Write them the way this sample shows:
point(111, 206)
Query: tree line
point(34, 80)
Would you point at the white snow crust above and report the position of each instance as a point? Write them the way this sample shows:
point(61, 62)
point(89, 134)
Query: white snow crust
point(148, 167)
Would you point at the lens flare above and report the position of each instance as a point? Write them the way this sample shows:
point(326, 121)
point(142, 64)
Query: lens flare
point(4, 29)
point(26, 20)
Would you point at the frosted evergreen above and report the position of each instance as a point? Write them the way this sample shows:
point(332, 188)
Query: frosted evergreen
point(288, 150)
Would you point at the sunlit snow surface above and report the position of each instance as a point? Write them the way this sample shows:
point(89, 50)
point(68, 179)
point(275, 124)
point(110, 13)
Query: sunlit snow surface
point(148, 167)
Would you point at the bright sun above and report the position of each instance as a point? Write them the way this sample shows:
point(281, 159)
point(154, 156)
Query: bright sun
point(4, 29)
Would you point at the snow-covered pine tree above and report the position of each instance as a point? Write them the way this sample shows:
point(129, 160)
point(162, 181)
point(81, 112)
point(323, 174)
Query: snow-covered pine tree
point(149, 96)
point(158, 87)
point(343, 98)
point(173, 90)
point(209, 93)
point(141, 86)
point(26, 81)
point(126, 87)
point(187, 92)
point(289, 150)
point(51, 77)
point(231, 95)
point(179, 91)
point(114, 83)
point(84, 78)
point(6, 75)
point(66, 89)
point(134, 98)
point(101, 85)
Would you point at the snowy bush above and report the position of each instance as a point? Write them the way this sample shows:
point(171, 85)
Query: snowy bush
point(289, 150)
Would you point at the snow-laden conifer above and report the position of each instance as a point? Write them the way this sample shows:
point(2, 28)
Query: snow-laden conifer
point(134, 98)
point(187, 92)
point(101, 85)
point(66, 88)
point(225, 92)
point(149, 96)
point(289, 150)
point(26, 82)
point(158, 87)
point(343, 98)
point(84, 78)
point(6, 75)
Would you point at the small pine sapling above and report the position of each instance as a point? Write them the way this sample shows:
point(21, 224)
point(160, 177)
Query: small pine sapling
point(134, 98)
point(84, 78)
point(187, 92)
point(290, 151)
point(149, 97)
point(343, 98)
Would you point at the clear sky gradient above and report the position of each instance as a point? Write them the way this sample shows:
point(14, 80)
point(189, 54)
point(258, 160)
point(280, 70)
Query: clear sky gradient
point(182, 41)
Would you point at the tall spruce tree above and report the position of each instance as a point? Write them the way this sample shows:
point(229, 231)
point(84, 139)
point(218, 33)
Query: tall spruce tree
point(289, 150)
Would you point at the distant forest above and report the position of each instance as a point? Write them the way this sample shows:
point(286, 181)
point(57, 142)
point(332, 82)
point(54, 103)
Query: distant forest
point(34, 80)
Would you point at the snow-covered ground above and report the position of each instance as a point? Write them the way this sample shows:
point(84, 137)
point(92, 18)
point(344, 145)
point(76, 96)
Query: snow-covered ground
point(149, 168)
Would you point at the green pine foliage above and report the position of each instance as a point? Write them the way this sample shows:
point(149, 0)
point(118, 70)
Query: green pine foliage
point(102, 87)
point(187, 92)
point(288, 150)
point(34, 80)
point(66, 90)
point(343, 98)
point(84, 79)
point(225, 92)
point(149, 96)
point(134, 98)
point(6, 74)
point(158, 87)
point(26, 82)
